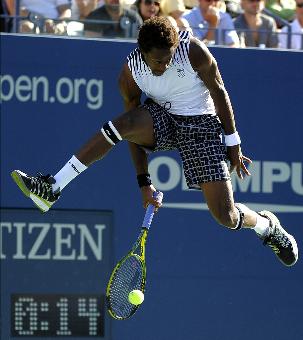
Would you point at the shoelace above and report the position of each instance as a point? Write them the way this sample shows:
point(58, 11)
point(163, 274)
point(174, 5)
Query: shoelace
point(41, 187)
point(273, 247)
point(278, 239)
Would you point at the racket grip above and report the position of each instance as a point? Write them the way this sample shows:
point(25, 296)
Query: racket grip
point(158, 195)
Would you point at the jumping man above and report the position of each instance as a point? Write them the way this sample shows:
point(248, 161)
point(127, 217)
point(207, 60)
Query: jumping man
point(188, 109)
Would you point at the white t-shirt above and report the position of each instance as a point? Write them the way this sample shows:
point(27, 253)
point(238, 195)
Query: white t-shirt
point(296, 36)
point(46, 8)
point(179, 89)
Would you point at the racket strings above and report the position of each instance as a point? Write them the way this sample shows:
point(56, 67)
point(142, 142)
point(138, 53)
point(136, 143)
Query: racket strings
point(129, 276)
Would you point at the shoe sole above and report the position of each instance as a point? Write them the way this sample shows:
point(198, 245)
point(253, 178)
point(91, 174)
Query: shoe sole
point(275, 219)
point(40, 203)
point(295, 249)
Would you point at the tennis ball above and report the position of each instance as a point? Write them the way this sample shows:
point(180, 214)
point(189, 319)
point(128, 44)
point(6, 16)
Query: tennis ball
point(136, 297)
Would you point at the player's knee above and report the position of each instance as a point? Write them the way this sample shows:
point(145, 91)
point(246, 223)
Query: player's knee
point(127, 123)
point(110, 133)
point(231, 218)
point(227, 217)
point(228, 220)
point(131, 121)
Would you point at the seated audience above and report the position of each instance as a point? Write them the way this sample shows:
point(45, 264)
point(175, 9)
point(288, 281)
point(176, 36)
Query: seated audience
point(211, 24)
point(233, 7)
point(284, 9)
point(173, 10)
point(296, 30)
point(254, 28)
point(147, 8)
point(125, 21)
point(5, 23)
point(81, 8)
point(42, 16)
point(221, 5)
point(189, 4)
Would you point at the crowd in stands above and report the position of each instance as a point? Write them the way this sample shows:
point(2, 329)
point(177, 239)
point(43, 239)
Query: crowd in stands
point(233, 23)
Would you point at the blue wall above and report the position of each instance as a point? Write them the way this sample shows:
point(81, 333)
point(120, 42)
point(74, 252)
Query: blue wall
point(204, 282)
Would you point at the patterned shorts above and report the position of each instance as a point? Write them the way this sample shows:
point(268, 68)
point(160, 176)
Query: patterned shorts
point(198, 140)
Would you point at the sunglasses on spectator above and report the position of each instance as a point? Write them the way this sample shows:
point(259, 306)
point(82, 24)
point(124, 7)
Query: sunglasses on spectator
point(254, 0)
point(150, 2)
point(300, 5)
point(212, 0)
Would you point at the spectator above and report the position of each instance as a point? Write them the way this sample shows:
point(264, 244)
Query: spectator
point(147, 8)
point(173, 10)
point(233, 7)
point(296, 30)
point(285, 9)
point(10, 5)
point(125, 21)
point(254, 28)
point(211, 24)
point(81, 8)
point(5, 23)
point(43, 15)
point(127, 3)
point(189, 4)
point(221, 5)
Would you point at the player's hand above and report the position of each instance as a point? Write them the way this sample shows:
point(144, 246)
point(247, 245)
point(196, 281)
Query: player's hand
point(148, 198)
point(237, 161)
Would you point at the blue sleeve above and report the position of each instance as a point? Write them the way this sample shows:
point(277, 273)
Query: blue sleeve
point(194, 24)
point(228, 28)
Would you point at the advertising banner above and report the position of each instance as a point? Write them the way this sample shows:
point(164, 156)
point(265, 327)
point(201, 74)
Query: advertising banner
point(54, 271)
point(203, 281)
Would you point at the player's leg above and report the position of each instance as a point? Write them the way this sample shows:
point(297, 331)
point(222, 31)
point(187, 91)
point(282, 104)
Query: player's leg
point(219, 198)
point(220, 201)
point(135, 126)
point(204, 161)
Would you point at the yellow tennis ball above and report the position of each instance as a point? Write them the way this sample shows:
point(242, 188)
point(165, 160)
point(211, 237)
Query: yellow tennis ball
point(136, 297)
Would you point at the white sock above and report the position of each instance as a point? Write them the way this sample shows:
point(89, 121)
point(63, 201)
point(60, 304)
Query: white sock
point(71, 170)
point(262, 225)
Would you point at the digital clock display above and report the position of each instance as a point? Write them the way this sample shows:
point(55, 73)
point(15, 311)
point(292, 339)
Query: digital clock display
point(66, 315)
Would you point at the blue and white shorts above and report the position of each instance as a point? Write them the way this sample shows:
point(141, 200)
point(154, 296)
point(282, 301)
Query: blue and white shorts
point(198, 140)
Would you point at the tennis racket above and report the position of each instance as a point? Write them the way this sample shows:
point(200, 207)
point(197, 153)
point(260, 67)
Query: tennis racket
point(130, 272)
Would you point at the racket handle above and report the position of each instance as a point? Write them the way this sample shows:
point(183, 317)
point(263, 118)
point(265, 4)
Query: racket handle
point(158, 195)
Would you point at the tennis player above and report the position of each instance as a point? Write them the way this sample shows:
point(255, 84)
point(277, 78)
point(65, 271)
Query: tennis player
point(188, 109)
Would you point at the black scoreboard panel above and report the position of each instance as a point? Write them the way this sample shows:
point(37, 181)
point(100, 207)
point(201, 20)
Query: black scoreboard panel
point(74, 315)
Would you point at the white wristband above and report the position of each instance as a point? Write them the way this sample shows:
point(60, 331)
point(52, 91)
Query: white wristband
point(233, 139)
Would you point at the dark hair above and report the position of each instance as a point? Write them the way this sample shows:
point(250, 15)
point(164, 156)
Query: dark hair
point(138, 2)
point(136, 7)
point(157, 32)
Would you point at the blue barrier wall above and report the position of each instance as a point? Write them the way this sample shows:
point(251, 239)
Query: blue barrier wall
point(204, 282)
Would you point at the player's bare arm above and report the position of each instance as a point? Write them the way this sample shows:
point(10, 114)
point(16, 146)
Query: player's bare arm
point(129, 90)
point(131, 95)
point(206, 67)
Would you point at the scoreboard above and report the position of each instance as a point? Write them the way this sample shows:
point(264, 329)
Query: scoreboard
point(57, 315)
point(54, 272)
